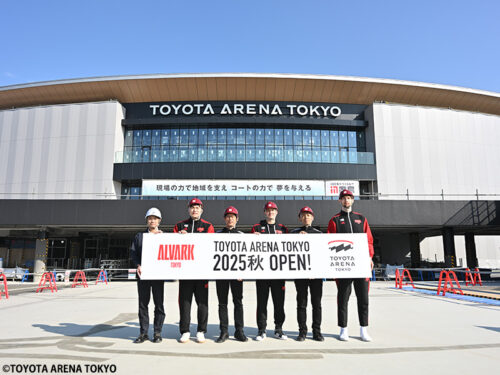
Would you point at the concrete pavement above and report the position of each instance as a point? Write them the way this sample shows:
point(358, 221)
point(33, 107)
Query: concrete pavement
point(90, 330)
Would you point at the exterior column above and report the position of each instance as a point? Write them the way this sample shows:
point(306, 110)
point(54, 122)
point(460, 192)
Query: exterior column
point(40, 256)
point(415, 250)
point(470, 251)
point(450, 258)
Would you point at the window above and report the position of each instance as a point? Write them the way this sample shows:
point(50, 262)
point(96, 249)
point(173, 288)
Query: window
point(202, 137)
point(174, 137)
point(316, 155)
point(240, 136)
point(269, 139)
point(352, 139)
point(259, 154)
point(165, 137)
point(202, 154)
point(316, 138)
point(146, 138)
point(278, 137)
point(245, 145)
point(193, 136)
point(334, 138)
point(193, 154)
point(288, 136)
point(212, 136)
point(212, 153)
point(231, 136)
point(221, 136)
point(156, 137)
point(270, 154)
point(250, 136)
point(231, 153)
point(221, 153)
point(240, 154)
point(297, 137)
point(259, 137)
point(343, 139)
point(138, 138)
point(325, 138)
point(306, 137)
point(289, 151)
point(250, 153)
point(129, 138)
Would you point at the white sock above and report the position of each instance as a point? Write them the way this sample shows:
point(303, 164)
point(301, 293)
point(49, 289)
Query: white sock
point(364, 334)
point(344, 334)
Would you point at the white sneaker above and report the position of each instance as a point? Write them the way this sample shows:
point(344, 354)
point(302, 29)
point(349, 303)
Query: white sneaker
point(344, 334)
point(280, 335)
point(200, 337)
point(185, 337)
point(364, 334)
point(261, 336)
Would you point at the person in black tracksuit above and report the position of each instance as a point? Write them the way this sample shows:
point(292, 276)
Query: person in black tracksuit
point(277, 287)
point(198, 288)
point(348, 221)
point(231, 218)
point(146, 287)
point(306, 216)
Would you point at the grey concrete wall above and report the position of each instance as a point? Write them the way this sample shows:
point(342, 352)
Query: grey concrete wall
point(425, 150)
point(60, 151)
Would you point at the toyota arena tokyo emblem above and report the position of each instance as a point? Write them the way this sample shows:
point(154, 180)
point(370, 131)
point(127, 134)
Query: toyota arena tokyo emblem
point(340, 245)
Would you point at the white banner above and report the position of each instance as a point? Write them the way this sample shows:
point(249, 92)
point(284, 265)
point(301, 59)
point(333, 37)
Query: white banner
point(233, 187)
point(333, 188)
point(246, 256)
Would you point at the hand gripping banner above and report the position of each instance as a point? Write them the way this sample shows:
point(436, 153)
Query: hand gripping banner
point(251, 257)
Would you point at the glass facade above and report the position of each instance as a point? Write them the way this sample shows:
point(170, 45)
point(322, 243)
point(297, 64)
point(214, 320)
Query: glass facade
point(244, 145)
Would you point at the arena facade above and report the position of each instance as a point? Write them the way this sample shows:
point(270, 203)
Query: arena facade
point(81, 160)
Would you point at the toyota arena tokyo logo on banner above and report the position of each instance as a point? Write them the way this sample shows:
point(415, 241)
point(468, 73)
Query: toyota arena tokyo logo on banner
point(340, 245)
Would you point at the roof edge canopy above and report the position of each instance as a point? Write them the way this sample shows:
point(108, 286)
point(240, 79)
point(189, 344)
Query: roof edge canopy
point(248, 87)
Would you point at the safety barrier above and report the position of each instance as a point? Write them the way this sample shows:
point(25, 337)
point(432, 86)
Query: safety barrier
point(445, 275)
point(102, 277)
point(47, 276)
point(400, 278)
point(5, 287)
point(25, 276)
point(473, 280)
point(80, 275)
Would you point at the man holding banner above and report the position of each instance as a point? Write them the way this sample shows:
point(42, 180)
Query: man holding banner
point(348, 221)
point(146, 287)
point(231, 218)
point(269, 226)
point(195, 224)
point(306, 217)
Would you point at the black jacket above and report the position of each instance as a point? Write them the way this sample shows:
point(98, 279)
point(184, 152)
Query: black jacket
point(191, 226)
point(351, 222)
point(264, 227)
point(225, 230)
point(136, 248)
point(308, 229)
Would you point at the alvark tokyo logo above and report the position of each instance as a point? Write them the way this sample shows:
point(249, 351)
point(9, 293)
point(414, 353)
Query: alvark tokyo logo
point(340, 245)
point(176, 252)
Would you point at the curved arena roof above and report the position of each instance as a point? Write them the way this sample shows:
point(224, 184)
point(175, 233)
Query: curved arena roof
point(248, 87)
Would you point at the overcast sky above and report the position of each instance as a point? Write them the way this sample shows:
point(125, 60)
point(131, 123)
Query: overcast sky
point(449, 42)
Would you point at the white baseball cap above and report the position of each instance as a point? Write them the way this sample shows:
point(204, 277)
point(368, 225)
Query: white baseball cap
point(153, 211)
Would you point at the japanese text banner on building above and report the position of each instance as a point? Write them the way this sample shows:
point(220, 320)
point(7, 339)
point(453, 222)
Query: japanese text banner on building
point(245, 256)
point(233, 187)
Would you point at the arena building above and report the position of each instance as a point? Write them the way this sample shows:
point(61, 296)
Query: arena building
point(81, 160)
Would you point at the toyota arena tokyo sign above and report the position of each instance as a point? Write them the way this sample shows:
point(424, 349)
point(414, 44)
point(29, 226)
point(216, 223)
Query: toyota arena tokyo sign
point(245, 256)
point(244, 109)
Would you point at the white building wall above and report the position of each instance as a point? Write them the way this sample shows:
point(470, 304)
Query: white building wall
point(487, 250)
point(60, 151)
point(430, 150)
